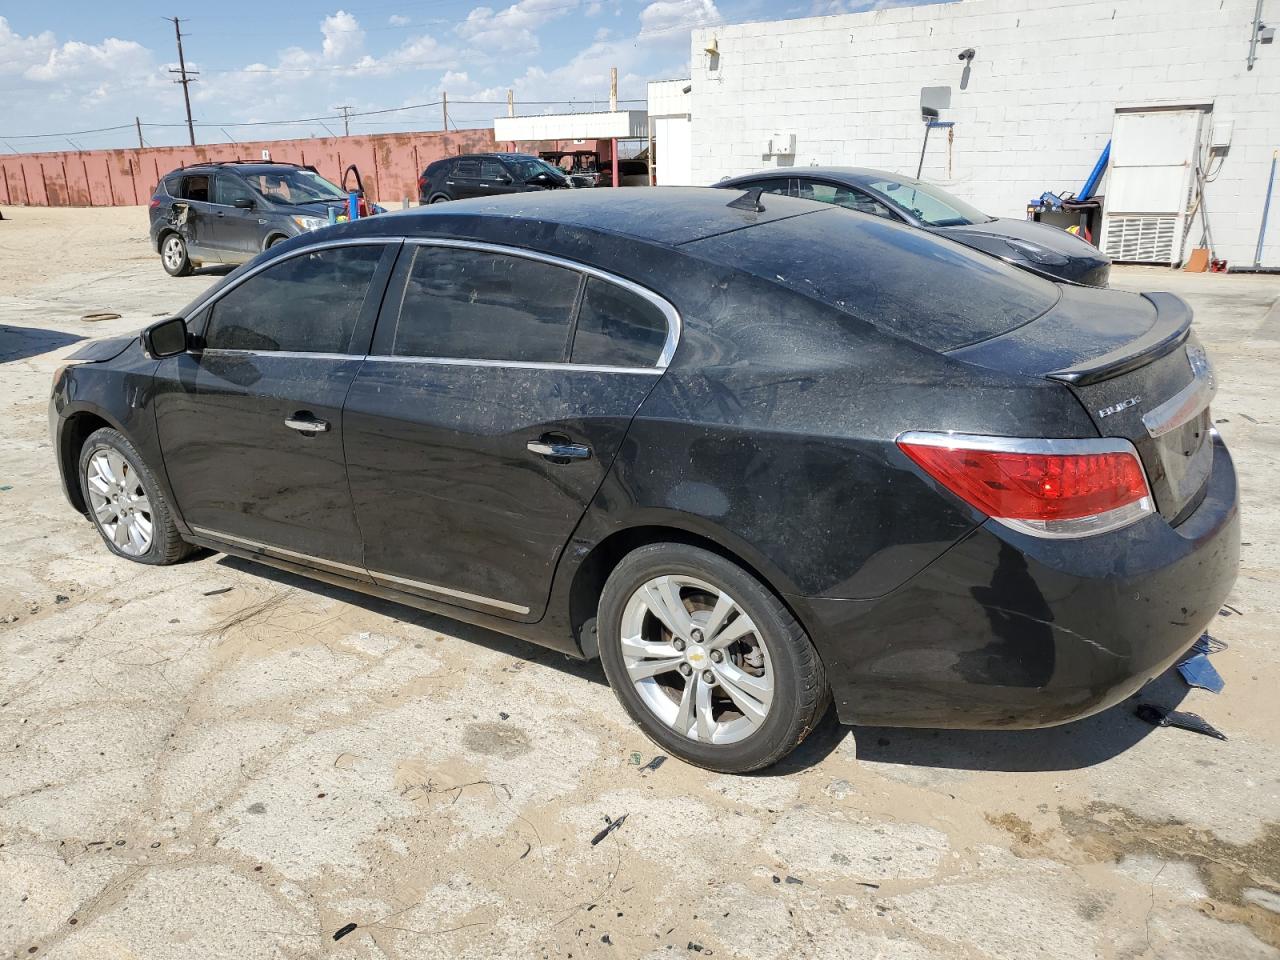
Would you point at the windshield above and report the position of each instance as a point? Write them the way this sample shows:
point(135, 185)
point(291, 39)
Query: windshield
point(294, 186)
point(530, 167)
point(928, 204)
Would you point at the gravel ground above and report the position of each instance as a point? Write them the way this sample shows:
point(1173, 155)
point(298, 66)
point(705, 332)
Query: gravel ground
point(220, 760)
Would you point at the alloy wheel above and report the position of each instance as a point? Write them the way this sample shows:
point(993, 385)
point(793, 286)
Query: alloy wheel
point(173, 252)
point(696, 659)
point(120, 505)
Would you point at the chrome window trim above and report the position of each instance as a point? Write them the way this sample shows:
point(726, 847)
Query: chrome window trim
point(211, 297)
point(1047, 445)
point(283, 554)
point(296, 354)
point(675, 325)
point(1189, 402)
point(514, 364)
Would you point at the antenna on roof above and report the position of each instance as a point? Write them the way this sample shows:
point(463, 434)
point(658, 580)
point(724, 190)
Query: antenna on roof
point(750, 200)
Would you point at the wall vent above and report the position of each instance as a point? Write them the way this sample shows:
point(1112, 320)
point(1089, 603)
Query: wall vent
point(1142, 239)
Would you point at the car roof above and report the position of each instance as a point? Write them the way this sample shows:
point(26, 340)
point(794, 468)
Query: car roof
point(861, 176)
point(242, 166)
point(663, 215)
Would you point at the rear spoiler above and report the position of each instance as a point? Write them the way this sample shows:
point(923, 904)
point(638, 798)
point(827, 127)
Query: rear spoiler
point(1173, 324)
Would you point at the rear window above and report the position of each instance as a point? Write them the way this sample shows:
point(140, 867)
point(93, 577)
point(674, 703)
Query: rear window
point(899, 279)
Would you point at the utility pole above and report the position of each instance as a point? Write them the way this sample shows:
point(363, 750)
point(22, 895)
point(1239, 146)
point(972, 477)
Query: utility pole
point(511, 103)
point(186, 77)
point(138, 123)
point(444, 103)
point(346, 119)
point(613, 89)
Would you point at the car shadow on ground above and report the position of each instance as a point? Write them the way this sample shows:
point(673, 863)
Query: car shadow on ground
point(18, 343)
point(1072, 746)
point(498, 642)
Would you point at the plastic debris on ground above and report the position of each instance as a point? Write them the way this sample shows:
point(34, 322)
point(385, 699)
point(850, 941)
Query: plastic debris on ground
point(1196, 669)
point(1159, 717)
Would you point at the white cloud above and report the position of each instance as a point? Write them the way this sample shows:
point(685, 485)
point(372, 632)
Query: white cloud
point(665, 17)
point(343, 37)
point(18, 53)
point(512, 28)
point(398, 20)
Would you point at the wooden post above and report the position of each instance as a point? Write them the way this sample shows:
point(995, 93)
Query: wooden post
point(138, 123)
point(444, 106)
point(613, 89)
point(511, 103)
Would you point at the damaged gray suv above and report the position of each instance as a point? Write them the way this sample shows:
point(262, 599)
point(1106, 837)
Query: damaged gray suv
point(229, 212)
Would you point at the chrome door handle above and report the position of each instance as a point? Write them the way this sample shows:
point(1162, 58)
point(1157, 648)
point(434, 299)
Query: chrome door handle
point(306, 424)
point(559, 450)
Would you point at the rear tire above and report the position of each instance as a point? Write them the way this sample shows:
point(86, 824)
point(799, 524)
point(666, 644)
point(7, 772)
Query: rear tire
point(125, 501)
point(736, 686)
point(174, 257)
point(441, 198)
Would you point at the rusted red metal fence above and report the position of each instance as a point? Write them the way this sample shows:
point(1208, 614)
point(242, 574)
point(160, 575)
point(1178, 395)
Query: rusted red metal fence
point(389, 164)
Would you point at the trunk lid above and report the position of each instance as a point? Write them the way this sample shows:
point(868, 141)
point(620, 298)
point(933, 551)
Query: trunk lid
point(1134, 364)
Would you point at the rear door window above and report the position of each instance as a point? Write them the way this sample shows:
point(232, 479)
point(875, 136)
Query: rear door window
point(309, 303)
point(491, 170)
point(477, 305)
point(196, 187)
point(469, 169)
point(618, 328)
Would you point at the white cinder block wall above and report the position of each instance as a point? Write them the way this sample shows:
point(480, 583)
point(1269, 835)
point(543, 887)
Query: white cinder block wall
point(1037, 109)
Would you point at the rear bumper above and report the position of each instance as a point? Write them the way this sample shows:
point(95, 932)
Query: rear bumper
point(1007, 630)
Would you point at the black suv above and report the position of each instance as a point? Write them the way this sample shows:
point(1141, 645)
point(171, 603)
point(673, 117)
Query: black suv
point(229, 212)
point(487, 175)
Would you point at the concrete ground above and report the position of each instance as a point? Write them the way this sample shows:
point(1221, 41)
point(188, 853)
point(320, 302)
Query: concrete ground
point(218, 760)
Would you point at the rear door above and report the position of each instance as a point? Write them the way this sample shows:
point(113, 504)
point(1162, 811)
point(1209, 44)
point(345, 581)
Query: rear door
point(197, 225)
point(251, 427)
point(479, 429)
point(464, 180)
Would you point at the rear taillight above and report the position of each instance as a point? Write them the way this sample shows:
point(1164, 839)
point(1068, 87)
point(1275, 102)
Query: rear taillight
point(155, 202)
point(1048, 488)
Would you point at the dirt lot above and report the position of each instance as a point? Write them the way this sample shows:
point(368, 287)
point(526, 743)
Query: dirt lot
point(219, 760)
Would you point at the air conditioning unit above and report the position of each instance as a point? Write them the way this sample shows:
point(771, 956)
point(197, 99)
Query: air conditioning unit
point(1150, 186)
point(781, 145)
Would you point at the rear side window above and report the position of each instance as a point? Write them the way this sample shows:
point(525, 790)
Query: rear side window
point(618, 328)
point(475, 305)
point(491, 170)
point(309, 304)
point(901, 280)
point(173, 184)
point(196, 187)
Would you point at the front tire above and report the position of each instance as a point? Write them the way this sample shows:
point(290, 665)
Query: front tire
point(125, 501)
point(173, 256)
point(707, 660)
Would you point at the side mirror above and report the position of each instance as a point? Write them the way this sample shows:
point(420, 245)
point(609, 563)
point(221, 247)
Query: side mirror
point(168, 338)
point(243, 203)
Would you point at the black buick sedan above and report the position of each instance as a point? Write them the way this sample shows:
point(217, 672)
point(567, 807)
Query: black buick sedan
point(1037, 247)
point(673, 430)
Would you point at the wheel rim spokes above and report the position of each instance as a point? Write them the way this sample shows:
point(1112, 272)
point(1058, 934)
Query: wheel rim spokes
point(696, 659)
point(119, 502)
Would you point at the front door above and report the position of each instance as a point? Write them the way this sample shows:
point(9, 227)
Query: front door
point(237, 229)
point(251, 427)
point(473, 444)
point(495, 179)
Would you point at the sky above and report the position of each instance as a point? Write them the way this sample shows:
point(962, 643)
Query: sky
point(70, 68)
